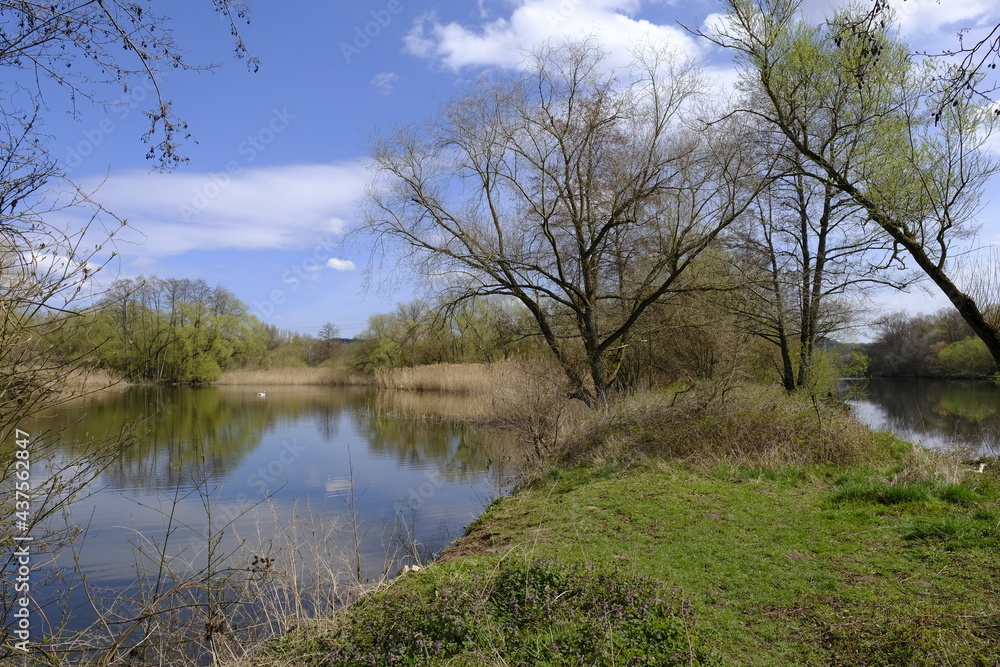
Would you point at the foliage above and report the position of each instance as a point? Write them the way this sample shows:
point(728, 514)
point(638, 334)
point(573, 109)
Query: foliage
point(968, 356)
point(538, 612)
point(936, 345)
point(479, 330)
point(915, 167)
point(170, 330)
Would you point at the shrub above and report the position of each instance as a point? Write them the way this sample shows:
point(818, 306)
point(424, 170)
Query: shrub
point(755, 425)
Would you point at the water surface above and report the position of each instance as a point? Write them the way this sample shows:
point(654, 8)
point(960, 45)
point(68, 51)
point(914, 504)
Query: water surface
point(940, 414)
point(220, 471)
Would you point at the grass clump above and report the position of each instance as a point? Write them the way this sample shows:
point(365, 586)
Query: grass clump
point(537, 612)
point(883, 492)
point(755, 425)
point(955, 530)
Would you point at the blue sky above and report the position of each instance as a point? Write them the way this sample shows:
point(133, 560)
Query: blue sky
point(278, 168)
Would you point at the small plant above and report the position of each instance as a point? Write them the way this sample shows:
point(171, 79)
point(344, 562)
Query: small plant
point(946, 528)
point(538, 612)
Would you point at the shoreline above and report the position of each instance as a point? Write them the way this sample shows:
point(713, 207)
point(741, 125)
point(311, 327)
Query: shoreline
point(763, 561)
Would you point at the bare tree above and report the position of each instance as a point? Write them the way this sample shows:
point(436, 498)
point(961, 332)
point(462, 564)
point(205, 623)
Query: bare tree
point(584, 195)
point(329, 338)
point(808, 252)
point(96, 51)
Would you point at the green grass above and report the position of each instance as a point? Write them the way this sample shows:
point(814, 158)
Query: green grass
point(773, 568)
point(539, 612)
point(848, 556)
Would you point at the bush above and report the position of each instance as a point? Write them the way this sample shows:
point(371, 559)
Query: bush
point(755, 425)
point(966, 357)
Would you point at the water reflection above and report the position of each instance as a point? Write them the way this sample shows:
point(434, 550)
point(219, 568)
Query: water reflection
point(228, 468)
point(942, 414)
point(177, 430)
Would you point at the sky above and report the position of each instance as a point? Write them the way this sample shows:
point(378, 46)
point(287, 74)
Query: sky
point(278, 169)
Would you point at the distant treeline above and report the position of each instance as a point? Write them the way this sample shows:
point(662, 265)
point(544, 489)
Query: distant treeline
point(937, 345)
point(185, 331)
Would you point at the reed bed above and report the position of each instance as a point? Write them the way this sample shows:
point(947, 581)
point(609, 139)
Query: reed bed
point(444, 378)
point(84, 381)
point(323, 376)
point(450, 378)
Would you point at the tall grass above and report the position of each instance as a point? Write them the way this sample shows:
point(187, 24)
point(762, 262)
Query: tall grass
point(452, 378)
point(448, 378)
point(757, 425)
point(323, 376)
point(88, 382)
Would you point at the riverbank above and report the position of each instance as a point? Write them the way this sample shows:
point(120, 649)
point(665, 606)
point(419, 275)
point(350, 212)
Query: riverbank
point(689, 533)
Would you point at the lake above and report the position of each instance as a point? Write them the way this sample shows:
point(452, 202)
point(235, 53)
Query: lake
point(227, 506)
point(299, 494)
point(939, 414)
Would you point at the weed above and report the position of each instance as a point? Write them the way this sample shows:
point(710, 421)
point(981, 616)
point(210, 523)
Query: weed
point(958, 494)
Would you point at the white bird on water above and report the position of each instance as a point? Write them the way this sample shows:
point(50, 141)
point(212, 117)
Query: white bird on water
point(261, 394)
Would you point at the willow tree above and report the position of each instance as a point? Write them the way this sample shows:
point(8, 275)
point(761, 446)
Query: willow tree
point(914, 167)
point(584, 194)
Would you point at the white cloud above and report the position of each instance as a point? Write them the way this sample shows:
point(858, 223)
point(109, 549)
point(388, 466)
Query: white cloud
point(532, 22)
point(281, 207)
point(929, 25)
point(385, 82)
point(340, 264)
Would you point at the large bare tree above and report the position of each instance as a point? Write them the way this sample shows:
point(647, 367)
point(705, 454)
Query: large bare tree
point(583, 193)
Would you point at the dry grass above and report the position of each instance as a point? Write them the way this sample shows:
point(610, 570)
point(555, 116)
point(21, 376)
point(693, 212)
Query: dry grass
point(86, 381)
point(757, 425)
point(450, 378)
point(325, 376)
point(445, 378)
point(929, 465)
point(530, 399)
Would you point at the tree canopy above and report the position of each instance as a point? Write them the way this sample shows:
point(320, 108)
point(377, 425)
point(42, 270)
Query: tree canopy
point(916, 168)
point(583, 193)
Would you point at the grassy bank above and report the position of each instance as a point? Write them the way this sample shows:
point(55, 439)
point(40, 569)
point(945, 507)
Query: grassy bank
point(750, 531)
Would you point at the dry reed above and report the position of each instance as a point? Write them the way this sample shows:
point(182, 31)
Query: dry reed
point(449, 378)
point(445, 378)
point(756, 425)
point(324, 376)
